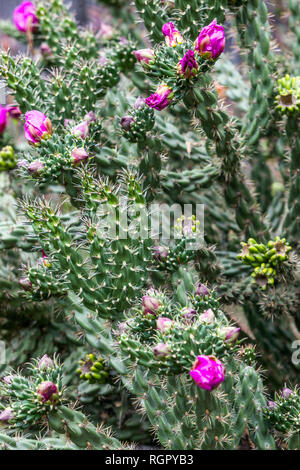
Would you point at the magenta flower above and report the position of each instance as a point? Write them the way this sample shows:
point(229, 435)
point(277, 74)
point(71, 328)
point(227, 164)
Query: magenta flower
point(163, 324)
point(14, 111)
point(25, 18)
point(161, 98)
point(211, 41)
point(3, 119)
point(150, 304)
point(208, 372)
point(144, 55)
point(81, 130)
point(187, 65)
point(172, 35)
point(45, 363)
point(6, 415)
point(46, 390)
point(37, 127)
point(79, 154)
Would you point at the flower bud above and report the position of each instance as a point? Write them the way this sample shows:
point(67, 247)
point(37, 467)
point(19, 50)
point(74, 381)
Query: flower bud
point(144, 55)
point(211, 41)
point(230, 333)
point(8, 379)
point(45, 363)
point(187, 65)
point(150, 304)
point(36, 167)
point(14, 112)
point(140, 102)
point(160, 252)
point(208, 372)
point(25, 284)
point(45, 50)
point(189, 314)
point(172, 35)
point(208, 316)
point(47, 390)
point(25, 18)
point(79, 154)
point(161, 98)
point(271, 405)
point(286, 392)
point(6, 415)
point(201, 290)
point(37, 127)
point(91, 117)
point(81, 130)
point(126, 122)
point(164, 324)
point(161, 350)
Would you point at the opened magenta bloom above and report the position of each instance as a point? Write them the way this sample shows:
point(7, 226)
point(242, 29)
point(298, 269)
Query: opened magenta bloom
point(172, 35)
point(187, 65)
point(208, 372)
point(37, 127)
point(25, 18)
point(211, 41)
point(3, 119)
point(161, 98)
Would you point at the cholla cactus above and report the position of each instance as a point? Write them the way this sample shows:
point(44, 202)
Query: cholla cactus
point(115, 124)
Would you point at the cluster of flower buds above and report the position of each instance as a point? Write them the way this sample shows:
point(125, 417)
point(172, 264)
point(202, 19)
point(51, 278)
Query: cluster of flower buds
point(288, 98)
point(138, 121)
point(180, 61)
point(264, 259)
point(25, 17)
point(8, 159)
point(93, 370)
point(284, 411)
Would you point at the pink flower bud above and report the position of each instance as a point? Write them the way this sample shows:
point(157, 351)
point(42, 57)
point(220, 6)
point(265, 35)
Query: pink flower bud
point(3, 119)
point(207, 317)
point(211, 41)
point(14, 112)
point(45, 363)
point(8, 379)
point(144, 55)
point(36, 167)
point(208, 372)
point(161, 350)
point(25, 284)
point(45, 50)
point(160, 252)
point(6, 415)
point(201, 290)
point(189, 314)
point(37, 127)
point(46, 390)
point(271, 405)
point(25, 18)
point(140, 102)
point(230, 333)
point(286, 392)
point(187, 65)
point(91, 117)
point(161, 98)
point(172, 35)
point(164, 324)
point(126, 122)
point(150, 304)
point(79, 154)
point(81, 130)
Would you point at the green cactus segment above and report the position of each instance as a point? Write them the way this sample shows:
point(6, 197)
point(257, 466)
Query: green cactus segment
point(153, 16)
point(288, 98)
point(283, 413)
